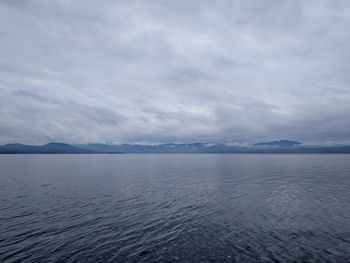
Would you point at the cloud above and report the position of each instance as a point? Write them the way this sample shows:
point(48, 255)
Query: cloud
point(175, 71)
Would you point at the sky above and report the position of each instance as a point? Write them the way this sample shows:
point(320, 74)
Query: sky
point(238, 71)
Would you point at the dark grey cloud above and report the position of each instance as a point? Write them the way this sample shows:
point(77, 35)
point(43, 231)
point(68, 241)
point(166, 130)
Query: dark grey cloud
point(160, 71)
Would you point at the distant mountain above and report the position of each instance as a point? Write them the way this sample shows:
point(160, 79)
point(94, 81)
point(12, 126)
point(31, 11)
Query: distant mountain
point(280, 143)
point(282, 146)
point(61, 148)
point(100, 147)
point(161, 148)
point(173, 148)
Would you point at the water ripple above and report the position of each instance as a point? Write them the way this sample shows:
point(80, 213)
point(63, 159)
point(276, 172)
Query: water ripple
point(175, 208)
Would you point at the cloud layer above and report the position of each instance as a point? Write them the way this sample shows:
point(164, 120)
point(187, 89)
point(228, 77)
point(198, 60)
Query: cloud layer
point(174, 71)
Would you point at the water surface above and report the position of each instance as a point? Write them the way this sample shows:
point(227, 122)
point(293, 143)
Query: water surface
point(175, 208)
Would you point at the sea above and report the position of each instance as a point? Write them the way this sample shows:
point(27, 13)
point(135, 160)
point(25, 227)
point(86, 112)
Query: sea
point(174, 208)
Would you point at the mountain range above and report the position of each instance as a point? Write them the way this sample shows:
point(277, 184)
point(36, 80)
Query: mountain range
point(50, 148)
point(281, 146)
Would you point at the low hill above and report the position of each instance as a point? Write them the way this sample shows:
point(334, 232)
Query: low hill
point(61, 148)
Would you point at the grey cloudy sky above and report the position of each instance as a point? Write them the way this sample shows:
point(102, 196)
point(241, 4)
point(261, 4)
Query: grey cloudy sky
point(174, 71)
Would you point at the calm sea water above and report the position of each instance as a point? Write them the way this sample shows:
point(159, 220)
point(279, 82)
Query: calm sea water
point(175, 208)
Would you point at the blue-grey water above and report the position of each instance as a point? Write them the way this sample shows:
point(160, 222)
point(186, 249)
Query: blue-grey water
point(174, 208)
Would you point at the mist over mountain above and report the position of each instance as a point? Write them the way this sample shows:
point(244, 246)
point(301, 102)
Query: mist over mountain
point(159, 148)
point(280, 143)
point(280, 146)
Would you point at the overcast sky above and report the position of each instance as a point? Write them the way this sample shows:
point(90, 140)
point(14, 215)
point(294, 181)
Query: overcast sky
point(174, 71)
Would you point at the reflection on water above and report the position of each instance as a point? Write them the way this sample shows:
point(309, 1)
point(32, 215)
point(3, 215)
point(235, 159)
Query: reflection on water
point(174, 208)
